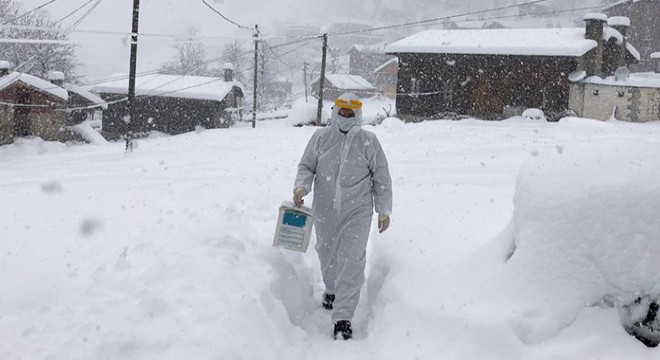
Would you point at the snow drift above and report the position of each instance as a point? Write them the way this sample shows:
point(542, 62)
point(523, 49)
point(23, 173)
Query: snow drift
point(585, 231)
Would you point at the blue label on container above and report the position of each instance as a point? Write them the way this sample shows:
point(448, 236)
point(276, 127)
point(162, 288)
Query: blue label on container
point(294, 219)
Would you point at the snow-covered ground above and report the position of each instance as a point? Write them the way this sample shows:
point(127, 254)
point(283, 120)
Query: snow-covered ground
point(165, 253)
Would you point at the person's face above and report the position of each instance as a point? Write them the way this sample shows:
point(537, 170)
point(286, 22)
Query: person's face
point(347, 113)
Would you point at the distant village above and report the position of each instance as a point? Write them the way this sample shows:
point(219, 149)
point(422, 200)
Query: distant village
point(608, 68)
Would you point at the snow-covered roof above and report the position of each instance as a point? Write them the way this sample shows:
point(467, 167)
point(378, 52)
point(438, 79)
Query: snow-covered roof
point(595, 16)
point(540, 42)
point(643, 79)
point(609, 33)
point(348, 82)
point(86, 94)
point(655, 55)
point(35, 82)
point(381, 67)
point(179, 86)
point(633, 51)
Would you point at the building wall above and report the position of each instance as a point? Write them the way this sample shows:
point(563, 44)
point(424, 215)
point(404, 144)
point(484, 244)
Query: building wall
point(40, 118)
point(649, 105)
point(596, 101)
point(480, 85)
point(166, 114)
point(599, 102)
point(6, 124)
point(386, 80)
point(48, 126)
point(576, 98)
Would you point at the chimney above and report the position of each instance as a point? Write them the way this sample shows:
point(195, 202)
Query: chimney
point(4, 68)
point(228, 71)
point(56, 77)
point(656, 58)
point(594, 31)
point(621, 24)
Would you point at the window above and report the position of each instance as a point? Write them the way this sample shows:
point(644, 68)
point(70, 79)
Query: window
point(596, 92)
point(621, 93)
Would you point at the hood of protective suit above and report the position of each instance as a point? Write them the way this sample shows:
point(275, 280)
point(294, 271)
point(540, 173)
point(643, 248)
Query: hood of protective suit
point(342, 123)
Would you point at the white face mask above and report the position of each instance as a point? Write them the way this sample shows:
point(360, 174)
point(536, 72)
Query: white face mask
point(345, 124)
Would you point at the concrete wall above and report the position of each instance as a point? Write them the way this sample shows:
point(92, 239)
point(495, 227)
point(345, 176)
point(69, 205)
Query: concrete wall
point(576, 98)
point(649, 104)
point(48, 126)
point(596, 101)
point(6, 125)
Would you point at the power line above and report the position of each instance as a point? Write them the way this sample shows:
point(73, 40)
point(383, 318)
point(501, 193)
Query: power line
point(414, 23)
point(73, 12)
point(224, 17)
point(83, 17)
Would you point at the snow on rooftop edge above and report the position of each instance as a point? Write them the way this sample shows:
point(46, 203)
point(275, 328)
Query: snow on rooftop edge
point(86, 94)
point(556, 42)
point(393, 60)
point(655, 55)
point(189, 87)
point(41, 84)
point(348, 82)
point(643, 79)
point(595, 16)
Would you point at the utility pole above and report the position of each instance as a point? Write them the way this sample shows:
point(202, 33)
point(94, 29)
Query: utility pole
point(305, 78)
point(131, 76)
point(256, 62)
point(319, 108)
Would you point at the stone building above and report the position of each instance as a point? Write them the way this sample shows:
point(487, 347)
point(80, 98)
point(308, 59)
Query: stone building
point(30, 106)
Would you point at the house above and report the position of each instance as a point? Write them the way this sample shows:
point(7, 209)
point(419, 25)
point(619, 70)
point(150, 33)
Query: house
point(337, 84)
point(82, 104)
point(645, 29)
point(631, 97)
point(365, 58)
point(386, 75)
point(171, 104)
point(497, 73)
point(30, 106)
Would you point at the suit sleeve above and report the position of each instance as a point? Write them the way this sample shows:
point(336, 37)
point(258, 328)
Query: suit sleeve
point(381, 180)
point(307, 165)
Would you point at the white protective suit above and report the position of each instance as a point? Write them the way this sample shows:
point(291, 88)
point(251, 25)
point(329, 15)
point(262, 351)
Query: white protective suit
point(350, 175)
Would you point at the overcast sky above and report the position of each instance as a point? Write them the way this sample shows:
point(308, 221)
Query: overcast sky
point(102, 55)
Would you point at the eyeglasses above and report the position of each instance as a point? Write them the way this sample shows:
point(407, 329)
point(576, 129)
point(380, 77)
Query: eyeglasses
point(347, 113)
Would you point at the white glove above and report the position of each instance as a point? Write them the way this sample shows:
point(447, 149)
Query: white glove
point(383, 222)
point(298, 194)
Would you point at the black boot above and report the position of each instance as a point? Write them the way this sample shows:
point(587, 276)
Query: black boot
point(328, 299)
point(343, 330)
point(648, 330)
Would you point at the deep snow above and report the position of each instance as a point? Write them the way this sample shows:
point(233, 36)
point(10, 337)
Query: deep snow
point(165, 253)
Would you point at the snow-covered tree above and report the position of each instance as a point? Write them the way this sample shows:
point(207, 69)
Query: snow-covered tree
point(238, 54)
point(190, 57)
point(36, 59)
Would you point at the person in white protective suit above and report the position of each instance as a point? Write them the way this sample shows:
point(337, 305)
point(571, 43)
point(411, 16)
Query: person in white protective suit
point(350, 174)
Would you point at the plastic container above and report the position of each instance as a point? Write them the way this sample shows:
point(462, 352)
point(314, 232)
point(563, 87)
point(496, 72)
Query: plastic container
point(294, 227)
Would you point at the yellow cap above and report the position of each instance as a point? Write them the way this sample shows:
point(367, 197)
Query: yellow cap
point(348, 104)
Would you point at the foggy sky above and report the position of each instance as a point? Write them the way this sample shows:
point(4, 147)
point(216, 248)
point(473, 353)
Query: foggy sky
point(102, 55)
